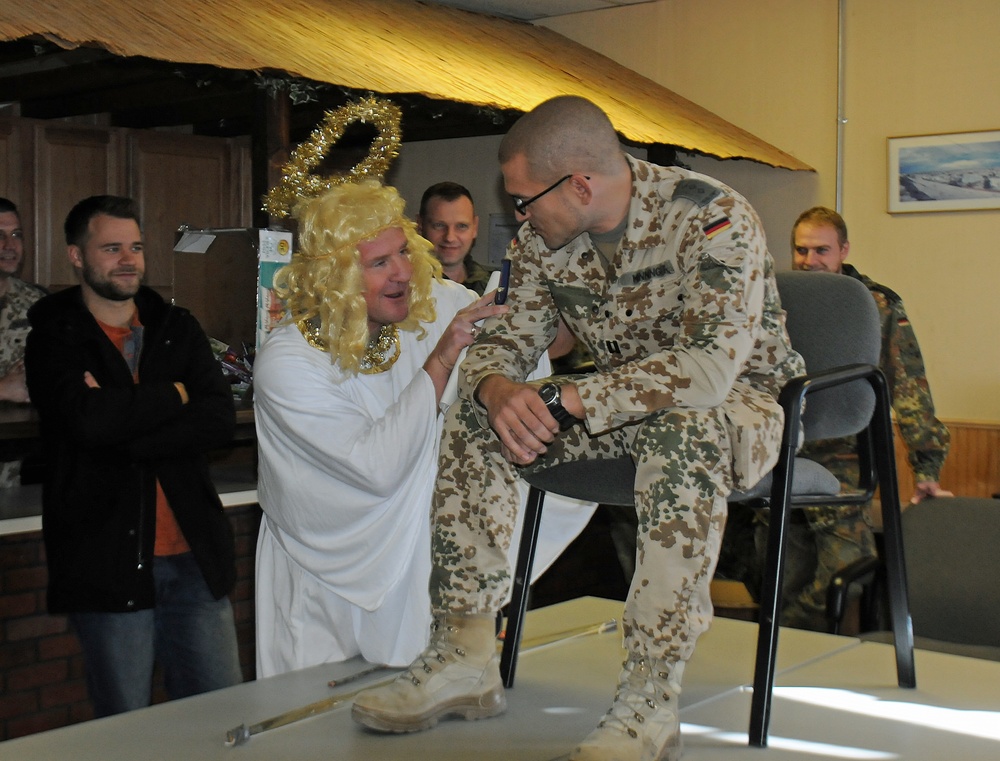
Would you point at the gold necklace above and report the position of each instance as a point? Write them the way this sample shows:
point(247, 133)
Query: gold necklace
point(374, 360)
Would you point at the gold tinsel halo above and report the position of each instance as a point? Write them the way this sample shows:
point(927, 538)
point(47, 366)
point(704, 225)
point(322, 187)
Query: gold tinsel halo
point(298, 182)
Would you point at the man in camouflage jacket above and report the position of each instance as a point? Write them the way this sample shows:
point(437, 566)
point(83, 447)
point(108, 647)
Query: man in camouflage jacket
point(833, 537)
point(665, 276)
point(16, 296)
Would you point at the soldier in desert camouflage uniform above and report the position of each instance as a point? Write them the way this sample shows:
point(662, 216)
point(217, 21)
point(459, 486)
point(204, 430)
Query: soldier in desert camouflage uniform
point(665, 276)
point(15, 298)
point(829, 538)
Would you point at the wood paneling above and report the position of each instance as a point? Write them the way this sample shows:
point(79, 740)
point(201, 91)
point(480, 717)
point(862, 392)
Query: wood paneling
point(10, 177)
point(17, 184)
point(46, 167)
point(71, 163)
point(180, 179)
point(973, 465)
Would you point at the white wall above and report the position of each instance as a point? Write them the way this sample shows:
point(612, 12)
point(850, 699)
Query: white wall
point(919, 67)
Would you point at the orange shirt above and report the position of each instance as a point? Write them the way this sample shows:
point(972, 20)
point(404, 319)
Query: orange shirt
point(169, 538)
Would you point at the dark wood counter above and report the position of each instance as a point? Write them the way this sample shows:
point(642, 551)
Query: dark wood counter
point(17, 421)
point(20, 421)
point(233, 468)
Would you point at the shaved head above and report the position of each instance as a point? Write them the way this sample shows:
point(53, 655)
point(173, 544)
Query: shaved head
point(563, 135)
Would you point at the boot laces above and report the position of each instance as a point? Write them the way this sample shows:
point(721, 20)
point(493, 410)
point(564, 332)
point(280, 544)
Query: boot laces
point(434, 656)
point(636, 698)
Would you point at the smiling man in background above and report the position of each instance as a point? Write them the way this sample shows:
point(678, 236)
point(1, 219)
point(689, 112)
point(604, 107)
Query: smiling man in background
point(448, 220)
point(16, 296)
point(825, 539)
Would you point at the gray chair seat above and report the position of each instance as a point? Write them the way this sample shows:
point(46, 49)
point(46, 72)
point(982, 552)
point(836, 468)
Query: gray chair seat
point(952, 567)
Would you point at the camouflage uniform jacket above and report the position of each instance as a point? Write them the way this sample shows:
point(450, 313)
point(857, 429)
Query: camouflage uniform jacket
point(14, 330)
point(476, 275)
point(14, 325)
point(926, 437)
point(687, 315)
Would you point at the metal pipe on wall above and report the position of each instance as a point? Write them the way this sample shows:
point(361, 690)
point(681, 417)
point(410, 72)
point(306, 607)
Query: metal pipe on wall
point(841, 118)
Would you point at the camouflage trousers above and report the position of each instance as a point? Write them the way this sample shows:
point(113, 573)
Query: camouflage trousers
point(683, 475)
point(821, 541)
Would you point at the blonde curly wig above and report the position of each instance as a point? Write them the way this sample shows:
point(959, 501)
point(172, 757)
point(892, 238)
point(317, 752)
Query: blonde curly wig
point(324, 278)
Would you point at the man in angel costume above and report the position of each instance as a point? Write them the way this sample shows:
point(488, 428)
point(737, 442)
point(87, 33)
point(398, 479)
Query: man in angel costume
point(348, 401)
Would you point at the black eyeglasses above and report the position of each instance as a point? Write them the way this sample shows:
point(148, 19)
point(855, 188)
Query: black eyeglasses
point(521, 204)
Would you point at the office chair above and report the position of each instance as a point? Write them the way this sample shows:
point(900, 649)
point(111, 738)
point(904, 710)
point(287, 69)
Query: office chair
point(952, 568)
point(833, 322)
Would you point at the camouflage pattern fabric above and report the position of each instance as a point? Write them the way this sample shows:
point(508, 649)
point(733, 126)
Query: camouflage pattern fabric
point(832, 537)
point(927, 438)
point(821, 541)
point(476, 275)
point(14, 325)
point(14, 330)
point(690, 350)
point(682, 480)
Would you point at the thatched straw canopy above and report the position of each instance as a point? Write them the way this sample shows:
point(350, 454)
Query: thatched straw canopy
point(391, 46)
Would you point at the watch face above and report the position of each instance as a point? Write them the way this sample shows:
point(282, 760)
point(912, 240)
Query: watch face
point(549, 393)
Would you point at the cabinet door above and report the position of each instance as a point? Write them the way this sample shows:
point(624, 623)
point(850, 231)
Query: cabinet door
point(10, 174)
point(198, 182)
point(182, 180)
point(71, 163)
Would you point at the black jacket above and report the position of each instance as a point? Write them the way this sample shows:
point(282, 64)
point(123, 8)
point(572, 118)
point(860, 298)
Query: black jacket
point(105, 447)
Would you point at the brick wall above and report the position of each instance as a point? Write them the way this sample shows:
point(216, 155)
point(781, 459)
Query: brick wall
point(41, 667)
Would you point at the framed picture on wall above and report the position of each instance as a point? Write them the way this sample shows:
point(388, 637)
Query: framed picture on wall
point(953, 172)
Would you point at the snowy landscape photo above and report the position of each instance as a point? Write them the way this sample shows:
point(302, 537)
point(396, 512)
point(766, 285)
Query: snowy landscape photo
point(953, 172)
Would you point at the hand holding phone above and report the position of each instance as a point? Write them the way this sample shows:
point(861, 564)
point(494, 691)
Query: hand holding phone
point(501, 296)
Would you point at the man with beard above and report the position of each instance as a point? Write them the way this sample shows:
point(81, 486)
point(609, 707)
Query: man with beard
point(130, 398)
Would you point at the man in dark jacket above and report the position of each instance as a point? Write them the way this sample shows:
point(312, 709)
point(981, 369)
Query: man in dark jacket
point(130, 398)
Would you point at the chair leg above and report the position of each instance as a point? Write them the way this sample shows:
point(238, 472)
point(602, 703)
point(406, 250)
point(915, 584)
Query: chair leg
point(892, 534)
point(770, 602)
point(518, 605)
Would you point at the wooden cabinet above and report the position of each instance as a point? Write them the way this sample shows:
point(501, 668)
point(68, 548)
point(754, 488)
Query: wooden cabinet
point(47, 166)
point(70, 163)
point(183, 179)
point(16, 180)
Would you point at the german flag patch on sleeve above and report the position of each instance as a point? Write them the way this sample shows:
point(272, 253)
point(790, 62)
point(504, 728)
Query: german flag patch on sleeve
point(714, 228)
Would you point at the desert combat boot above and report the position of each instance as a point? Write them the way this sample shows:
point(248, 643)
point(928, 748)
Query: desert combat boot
point(642, 724)
point(458, 674)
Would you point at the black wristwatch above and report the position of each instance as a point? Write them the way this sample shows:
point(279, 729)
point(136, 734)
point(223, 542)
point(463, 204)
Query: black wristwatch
point(552, 397)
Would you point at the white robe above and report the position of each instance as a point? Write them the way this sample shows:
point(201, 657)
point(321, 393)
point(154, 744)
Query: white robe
point(345, 477)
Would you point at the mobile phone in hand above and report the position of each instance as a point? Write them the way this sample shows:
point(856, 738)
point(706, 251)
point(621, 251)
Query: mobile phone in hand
point(501, 296)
